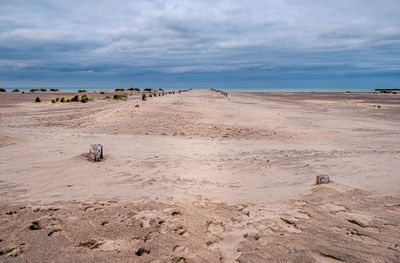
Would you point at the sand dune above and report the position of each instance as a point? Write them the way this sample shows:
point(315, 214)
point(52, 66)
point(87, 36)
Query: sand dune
point(198, 177)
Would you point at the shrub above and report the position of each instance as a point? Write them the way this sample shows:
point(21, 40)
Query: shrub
point(348, 91)
point(53, 101)
point(55, 90)
point(62, 100)
point(119, 89)
point(33, 90)
point(147, 90)
point(101, 92)
point(160, 89)
point(82, 90)
point(120, 96)
point(38, 99)
point(15, 90)
point(2, 90)
point(150, 95)
point(57, 99)
point(43, 90)
point(143, 96)
point(132, 88)
point(75, 98)
point(84, 98)
point(68, 100)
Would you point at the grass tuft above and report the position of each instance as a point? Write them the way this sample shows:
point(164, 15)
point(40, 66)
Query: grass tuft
point(120, 96)
point(75, 98)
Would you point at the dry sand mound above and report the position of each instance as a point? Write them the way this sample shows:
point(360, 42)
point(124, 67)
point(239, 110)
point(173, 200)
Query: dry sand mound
point(326, 226)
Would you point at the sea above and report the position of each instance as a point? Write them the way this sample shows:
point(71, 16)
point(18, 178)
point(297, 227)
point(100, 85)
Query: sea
point(235, 89)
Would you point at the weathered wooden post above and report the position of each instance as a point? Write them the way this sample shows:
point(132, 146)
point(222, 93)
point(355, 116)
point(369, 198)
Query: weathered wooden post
point(96, 152)
point(322, 179)
point(143, 97)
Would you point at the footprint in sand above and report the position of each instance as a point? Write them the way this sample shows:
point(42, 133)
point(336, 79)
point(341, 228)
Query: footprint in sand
point(288, 223)
point(180, 249)
point(215, 228)
point(182, 231)
point(92, 244)
point(142, 251)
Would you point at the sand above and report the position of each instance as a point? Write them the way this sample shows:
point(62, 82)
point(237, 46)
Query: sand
point(198, 177)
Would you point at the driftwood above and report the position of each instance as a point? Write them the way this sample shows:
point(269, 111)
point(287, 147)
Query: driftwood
point(322, 179)
point(96, 152)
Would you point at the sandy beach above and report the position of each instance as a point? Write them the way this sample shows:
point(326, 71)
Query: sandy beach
point(199, 177)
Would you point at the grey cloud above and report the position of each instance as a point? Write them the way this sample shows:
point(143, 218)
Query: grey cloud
point(307, 37)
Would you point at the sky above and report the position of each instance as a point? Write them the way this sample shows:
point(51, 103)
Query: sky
point(200, 44)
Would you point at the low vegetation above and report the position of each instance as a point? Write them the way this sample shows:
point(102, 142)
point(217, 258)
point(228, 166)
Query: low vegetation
point(2, 90)
point(75, 98)
point(388, 91)
point(120, 96)
point(82, 90)
point(15, 90)
point(54, 90)
point(101, 92)
point(119, 89)
point(136, 89)
point(33, 90)
point(85, 98)
point(38, 99)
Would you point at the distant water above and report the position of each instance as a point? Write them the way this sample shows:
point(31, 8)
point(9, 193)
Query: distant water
point(297, 89)
point(244, 89)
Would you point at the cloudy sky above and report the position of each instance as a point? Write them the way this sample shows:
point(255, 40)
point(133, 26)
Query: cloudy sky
point(249, 44)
